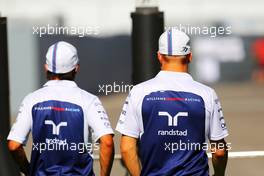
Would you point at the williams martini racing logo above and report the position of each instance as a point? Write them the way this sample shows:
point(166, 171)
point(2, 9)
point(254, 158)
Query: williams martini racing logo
point(48, 108)
point(173, 99)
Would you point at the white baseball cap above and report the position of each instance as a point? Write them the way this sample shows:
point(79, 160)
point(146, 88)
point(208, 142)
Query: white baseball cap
point(61, 57)
point(174, 42)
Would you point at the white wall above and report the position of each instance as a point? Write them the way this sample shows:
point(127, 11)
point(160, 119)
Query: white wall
point(113, 16)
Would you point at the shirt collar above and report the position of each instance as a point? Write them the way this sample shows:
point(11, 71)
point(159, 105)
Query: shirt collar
point(64, 83)
point(174, 75)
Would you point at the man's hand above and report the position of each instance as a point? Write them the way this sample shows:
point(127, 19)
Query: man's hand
point(129, 154)
point(18, 153)
point(219, 156)
point(107, 152)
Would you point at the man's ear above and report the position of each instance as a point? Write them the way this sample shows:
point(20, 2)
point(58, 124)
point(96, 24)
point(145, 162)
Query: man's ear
point(160, 58)
point(190, 57)
point(77, 68)
point(46, 68)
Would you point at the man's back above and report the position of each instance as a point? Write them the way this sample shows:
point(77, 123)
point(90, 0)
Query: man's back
point(58, 122)
point(59, 115)
point(172, 120)
point(64, 120)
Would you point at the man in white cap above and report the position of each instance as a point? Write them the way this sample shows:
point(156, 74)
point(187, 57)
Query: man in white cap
point(62, 118)
point(166, 121)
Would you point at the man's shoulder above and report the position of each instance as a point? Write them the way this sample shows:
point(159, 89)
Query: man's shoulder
point(203, 86)
point(143, 85)
point(87, 94)
point(139, 88)
point(206, 92)
point(37, 93)
point(34, 94)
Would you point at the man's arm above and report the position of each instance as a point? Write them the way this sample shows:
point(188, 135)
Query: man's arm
point(107, 152)
point(219, 156)
point(18, 154)
point(129, 154)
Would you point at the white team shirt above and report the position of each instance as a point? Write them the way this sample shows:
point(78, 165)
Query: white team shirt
point(94, 114)
point(131, 123)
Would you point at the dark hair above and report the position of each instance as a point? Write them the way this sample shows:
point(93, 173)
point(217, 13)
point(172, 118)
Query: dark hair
point(61, 76)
